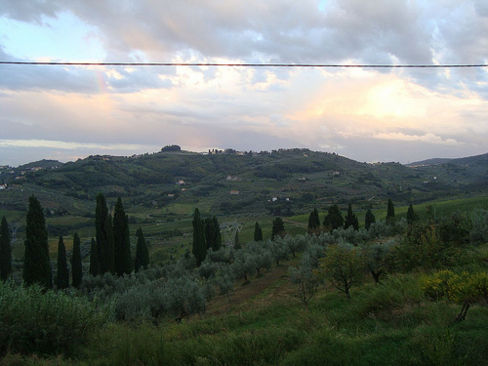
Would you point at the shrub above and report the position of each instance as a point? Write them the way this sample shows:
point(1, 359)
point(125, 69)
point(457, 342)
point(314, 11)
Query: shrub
point(479, 226)
point(33, 320)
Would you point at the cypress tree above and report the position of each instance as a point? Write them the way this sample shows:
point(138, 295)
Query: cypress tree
point(237, 243)
point(351, 219)
point(333, 219)
point(121, 240)
point(94, 259)
point(278, 228)
point(5, 250)
point(411, 216)
point(142, 254)
point(218, 236)
point(369, 219)
point(313, 221)
point(209, 232)
point(213, 237)
point(62, 276)
point(76, 266)
point(258, 232)
point(390, 213)
point(104, 236)
point(37, 265)
point(199, 247)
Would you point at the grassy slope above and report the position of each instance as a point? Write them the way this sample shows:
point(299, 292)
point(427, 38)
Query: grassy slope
point(262, 323)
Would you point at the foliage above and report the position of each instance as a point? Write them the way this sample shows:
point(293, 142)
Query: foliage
point(411, 215)
point(76, 265)
point(463, 288)
point(455, 229)
point(33, 320)
point(378, 258)
point(213, 237)
point(278, 228)
point(423, 247)
point(37, 266)
point(479, 226)
point(199, 246)
point(351, 219)
point(258, 232)
point(369, 219)
point(62, 275)
point(171, 148)
point(306, 277)
point(104, 237)
point(122, 257)
point(314, 222)
point(94, 258)
point(142, 254)
point(5, 250)
point(343, 266)
point(333, 219)
point(390, 212)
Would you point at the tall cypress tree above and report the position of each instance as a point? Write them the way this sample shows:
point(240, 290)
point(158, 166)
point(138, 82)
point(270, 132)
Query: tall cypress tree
point(142, 254)
point(213, 237)
point(217, 244)
point(104, 236)
point(5, 251)
point(121, 240)
point(237, 242)
point(62, 276)
point(258, 232)
point(278, 228)
point(313, 221)
point(199, 247)
point(209, 232)
point(37, 265)
point(333, 219)
point(369, 219)
point(94, 259)
point(351, 219)
point(76, 266)
point(411, 216)
point(390, 212)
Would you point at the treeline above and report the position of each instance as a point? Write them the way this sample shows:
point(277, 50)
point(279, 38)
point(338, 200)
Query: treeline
point(334, 219)
point(110, 252)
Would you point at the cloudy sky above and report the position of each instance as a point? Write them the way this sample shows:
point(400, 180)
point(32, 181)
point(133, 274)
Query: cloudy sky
point(369, 115)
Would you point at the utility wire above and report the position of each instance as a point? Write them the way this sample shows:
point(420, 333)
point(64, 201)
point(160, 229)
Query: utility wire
point(284, 65)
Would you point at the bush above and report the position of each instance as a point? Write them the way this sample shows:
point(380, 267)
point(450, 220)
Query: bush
point(479, 228)
point(33, 320)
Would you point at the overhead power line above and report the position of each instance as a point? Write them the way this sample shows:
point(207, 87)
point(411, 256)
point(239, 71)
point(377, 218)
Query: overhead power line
point(205, 64)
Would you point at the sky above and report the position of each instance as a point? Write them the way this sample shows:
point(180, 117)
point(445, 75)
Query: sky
point(404, 115)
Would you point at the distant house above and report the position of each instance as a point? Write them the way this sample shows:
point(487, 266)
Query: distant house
point(336, 173)
point(171, 195)
point(231, 178)
point(180, 182)
point(234, 192)
point(3, 186)
point(274, 199)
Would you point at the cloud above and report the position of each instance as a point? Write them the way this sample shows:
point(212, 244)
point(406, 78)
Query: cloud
point(67, 145)
point(428, 137)
point(352, 111)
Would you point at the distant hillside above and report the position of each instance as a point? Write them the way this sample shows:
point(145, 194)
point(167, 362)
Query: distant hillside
point(282, 182)
point(475, 159)
point(44, 164)
point(433, 161)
